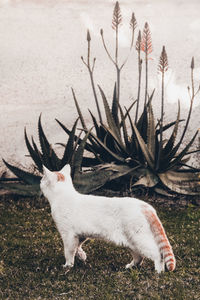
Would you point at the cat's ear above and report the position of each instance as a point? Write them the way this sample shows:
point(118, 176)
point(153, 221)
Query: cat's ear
point(46, 171)
point(66, 169)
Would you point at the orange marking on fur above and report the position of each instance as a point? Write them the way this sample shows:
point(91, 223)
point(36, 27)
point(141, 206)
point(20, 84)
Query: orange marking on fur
point(158, 231)
point(167, 254)
point(60, 177)
point(171, 259)
point(171, 267)
point(166, 247)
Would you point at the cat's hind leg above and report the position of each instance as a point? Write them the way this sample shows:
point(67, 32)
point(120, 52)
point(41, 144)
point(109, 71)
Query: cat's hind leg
point(136, 261)
point(159, 265)
point(80, 253)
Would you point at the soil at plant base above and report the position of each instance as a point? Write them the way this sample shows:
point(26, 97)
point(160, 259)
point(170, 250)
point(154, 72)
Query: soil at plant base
point(41, 45)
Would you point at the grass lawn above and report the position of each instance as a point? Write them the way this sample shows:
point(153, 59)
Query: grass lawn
point(32, 256)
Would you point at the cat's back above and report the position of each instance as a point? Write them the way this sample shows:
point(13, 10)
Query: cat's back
point(122, 205)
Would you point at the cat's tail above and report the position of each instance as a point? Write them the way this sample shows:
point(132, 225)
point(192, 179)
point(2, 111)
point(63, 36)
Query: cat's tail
point(161, 238)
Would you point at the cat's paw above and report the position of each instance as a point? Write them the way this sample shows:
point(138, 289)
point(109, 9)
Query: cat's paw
point(67, 266)
point(81, 254)
point(129, 266)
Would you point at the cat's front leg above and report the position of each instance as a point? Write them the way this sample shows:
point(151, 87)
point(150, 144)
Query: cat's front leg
point(70, 247)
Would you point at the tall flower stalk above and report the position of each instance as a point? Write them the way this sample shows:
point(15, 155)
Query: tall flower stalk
point(146, 47)
point(91, 73)
point(138, 49)
point(162, 68)
point(192, 97)
point(116, 23)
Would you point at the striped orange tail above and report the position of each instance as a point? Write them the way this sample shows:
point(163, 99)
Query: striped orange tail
point(161, 239)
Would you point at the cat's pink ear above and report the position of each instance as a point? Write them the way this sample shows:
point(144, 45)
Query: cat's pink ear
point(60, 176)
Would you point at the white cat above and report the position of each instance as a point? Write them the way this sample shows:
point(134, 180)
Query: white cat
point(125, 221)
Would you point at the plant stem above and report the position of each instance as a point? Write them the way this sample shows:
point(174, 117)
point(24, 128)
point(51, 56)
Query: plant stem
point(118, 84)
point(139, 85)
point(161, 122)
point(95, 95)
point(191, 105)
point(146, 83)
point(116, 46)
point(91, 71)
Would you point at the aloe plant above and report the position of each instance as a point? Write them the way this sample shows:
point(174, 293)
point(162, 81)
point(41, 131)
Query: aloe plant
point(84, 182)
point(151, 158)
point(123, 148)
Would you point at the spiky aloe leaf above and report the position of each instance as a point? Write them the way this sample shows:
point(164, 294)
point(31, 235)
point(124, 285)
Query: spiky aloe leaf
point(27, 177)
point(76, 138)
point(88, 182)
point(128, 111)
point(170, 144)
point(69, 148)
point(49, 156)
point(115, 107)
point(124, 128)
point(178, 158)
point(133, 141)
point(78, 155)
point(25, 190)
point(109, 117)
point(148, 179)
point(91, 161)
point(151, 131)
point(114, 138)
point(95, 124)
point(142, 124)
point(145, 151)
point(79, 111)
point(36, 157)
point(105, 148)
point(181, 182)
point(167, 126)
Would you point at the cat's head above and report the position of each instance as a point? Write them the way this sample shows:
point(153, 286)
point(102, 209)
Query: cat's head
point(50, 179)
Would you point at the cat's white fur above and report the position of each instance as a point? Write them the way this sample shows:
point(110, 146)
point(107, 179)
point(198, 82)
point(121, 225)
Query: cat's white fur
point(119, 220)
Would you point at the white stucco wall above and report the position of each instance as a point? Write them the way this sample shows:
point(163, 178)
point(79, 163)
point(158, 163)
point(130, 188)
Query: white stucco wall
point(41, 43)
